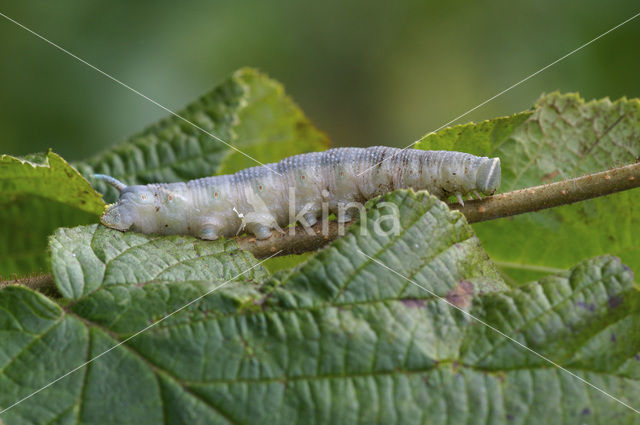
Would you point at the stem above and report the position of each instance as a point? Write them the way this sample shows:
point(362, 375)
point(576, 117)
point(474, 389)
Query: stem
point(296, 242)
point(41, 282)
point(503, 205)
point(497, 206)
point(551, 195)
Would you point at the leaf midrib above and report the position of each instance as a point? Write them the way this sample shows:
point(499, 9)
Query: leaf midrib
point(156, 369)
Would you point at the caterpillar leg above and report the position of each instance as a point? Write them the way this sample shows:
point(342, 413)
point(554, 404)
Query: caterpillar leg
point(208, 232)
point(311, 219)
point(259, 224)
point(343, 217)
point(207, 228)
point(347, 210)
point(261, 231)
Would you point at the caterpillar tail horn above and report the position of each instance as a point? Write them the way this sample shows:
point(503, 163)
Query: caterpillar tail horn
point(111, 181)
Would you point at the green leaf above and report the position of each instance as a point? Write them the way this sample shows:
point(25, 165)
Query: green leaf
point(39, 343)
point(86, 258)
point(564, 137)
point(285, 262)
point(340, 339)
point(23, 242)
point(246, 328)
point(477, 138)
point(47, 176)
point(248, 111)
point(37, 195)
point(270, 126)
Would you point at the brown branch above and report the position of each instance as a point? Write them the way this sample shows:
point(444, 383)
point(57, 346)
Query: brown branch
point(551, 195)
point(497, 206)
point(40, 282)
point(296, 242)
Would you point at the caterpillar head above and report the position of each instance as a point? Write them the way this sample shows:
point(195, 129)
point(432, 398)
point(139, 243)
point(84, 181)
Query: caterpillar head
point(114, 218)
point(489, 176)
point(134, 205)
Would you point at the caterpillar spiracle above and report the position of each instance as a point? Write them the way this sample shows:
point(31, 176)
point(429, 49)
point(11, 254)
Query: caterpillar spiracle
point(257, 200)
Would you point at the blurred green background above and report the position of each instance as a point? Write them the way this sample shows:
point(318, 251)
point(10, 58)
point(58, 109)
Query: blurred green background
point(366, 72)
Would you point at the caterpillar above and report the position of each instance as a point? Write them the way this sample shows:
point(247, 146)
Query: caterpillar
point(258, 200)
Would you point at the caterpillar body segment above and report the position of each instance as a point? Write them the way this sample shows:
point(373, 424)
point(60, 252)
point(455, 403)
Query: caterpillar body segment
point(258, 200)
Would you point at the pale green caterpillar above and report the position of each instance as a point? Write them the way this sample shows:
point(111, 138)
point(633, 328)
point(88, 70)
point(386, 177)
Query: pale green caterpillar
point(257, 199)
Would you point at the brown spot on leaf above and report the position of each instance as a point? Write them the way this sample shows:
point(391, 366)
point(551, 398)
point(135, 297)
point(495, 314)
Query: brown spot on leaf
point(614, 301)
point(413, 302)
point(590, 307)
point(500, 377)
point(462, 295)
point(301, 125)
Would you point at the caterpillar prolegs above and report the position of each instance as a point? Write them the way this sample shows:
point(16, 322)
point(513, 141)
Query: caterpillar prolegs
point(258, 199)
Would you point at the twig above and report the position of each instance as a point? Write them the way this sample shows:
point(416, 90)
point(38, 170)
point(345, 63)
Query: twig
point(551, 195)
point(40, 282)
point(297, 241)
point(497, 206)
